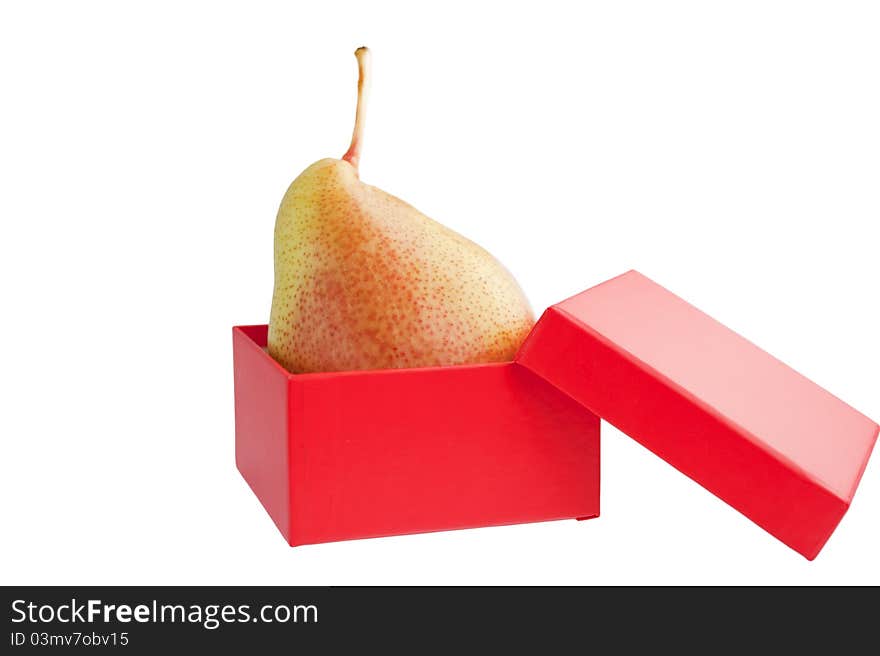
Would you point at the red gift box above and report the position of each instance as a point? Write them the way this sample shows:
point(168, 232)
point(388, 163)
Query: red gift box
point(338, 456)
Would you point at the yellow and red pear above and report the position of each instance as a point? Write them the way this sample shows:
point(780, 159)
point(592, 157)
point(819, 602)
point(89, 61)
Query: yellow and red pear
point(364, 280)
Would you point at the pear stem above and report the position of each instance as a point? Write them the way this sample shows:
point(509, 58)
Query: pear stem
point(353, 155)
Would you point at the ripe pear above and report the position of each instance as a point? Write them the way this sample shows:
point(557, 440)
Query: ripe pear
point(364, 280)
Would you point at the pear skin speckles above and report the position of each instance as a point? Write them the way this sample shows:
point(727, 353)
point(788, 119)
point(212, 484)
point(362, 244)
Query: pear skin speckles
point(365, 281)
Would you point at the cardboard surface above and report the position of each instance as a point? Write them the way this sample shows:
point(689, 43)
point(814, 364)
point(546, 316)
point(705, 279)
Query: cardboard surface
point(774, 445)
point(339, 456)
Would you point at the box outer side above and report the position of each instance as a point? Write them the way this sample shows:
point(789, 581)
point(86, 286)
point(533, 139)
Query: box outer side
point(261, 423)
point(411, 451)
point(783, 500)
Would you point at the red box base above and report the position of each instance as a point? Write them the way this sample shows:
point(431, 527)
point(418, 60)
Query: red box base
point(340, 456)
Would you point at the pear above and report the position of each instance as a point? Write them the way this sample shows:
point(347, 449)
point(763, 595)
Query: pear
point(365, 281)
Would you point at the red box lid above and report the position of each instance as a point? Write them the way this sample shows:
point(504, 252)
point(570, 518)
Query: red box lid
point(754, 432)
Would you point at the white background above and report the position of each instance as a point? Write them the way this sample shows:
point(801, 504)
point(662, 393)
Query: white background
point(730, 151)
